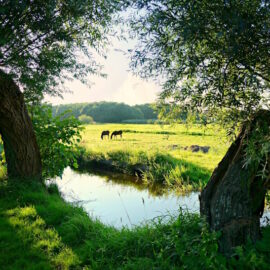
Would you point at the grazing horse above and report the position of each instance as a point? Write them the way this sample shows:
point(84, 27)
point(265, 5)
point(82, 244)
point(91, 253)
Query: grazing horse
point(117, 132)
point(105, 133)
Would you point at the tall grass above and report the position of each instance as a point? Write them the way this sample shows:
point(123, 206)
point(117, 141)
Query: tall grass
point(154, 168)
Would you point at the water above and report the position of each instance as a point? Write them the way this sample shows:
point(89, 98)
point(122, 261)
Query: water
point(117, 200)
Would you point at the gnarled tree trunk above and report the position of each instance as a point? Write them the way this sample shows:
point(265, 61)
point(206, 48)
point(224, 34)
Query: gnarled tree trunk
point(21, 149)
point(233, 200)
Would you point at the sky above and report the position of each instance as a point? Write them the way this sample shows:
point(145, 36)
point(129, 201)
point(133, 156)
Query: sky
point(119, 86)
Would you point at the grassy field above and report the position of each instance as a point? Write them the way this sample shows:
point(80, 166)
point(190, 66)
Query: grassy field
point(162, 149)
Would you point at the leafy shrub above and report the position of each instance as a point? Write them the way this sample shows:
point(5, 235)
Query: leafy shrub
point(58, 139)
point(86, 119)
point(1, 146)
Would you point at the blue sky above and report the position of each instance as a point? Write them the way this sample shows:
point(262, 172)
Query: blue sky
point(120, 85)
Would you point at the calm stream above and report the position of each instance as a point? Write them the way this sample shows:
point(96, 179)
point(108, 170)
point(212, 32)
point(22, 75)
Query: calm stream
point(116, 200)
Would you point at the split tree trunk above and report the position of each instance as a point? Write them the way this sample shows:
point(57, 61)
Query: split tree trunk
point(233, 200)
point(21, 149)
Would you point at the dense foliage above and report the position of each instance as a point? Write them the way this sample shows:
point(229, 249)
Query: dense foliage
point(44, 42)
point(57, 139)
point(108, 112)
point(214, 57)
point(213, 54)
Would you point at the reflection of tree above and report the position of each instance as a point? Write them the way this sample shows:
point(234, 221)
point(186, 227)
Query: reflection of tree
point(128, 181)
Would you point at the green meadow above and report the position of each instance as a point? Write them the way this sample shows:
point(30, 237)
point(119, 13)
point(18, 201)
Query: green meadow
point(162, 148)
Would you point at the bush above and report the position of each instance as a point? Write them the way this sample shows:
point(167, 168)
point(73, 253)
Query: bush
point(86, 119)
point(58, 139)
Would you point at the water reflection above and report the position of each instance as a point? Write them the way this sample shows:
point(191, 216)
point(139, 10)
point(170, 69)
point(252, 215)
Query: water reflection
point(126, 180)
point(118, 201)
point(121, 200)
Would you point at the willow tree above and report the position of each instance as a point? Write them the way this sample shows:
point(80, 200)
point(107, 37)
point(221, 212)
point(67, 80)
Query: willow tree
point(213, 57)
point(43, 43)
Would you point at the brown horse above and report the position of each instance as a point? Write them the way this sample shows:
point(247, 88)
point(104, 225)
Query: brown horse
point(117, 132)
point(105, 133)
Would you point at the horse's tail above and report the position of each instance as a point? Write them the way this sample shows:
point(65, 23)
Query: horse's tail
point(112, 135)
point(101, 136)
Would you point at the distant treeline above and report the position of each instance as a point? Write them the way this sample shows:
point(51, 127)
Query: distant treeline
point(109, 112)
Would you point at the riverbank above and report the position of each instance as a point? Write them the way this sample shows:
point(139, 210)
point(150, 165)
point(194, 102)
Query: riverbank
point(152, 168)
point(39, 230)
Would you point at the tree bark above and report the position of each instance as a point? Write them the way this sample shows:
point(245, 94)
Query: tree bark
point(20, 145)
point(233, 200)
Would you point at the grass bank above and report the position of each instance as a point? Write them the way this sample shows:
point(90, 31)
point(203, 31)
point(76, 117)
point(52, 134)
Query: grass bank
point(153, 168)
point(156, 153)
point(39, 230)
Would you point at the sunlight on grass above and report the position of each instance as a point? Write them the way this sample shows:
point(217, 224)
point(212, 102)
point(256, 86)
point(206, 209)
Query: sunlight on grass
point(31, 229)
point(148, 139)
point(3, 172)
point(162, 149)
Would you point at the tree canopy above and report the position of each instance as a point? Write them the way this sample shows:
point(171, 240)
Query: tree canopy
point(213, 57)
point(45, 42)
point(213, 54)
